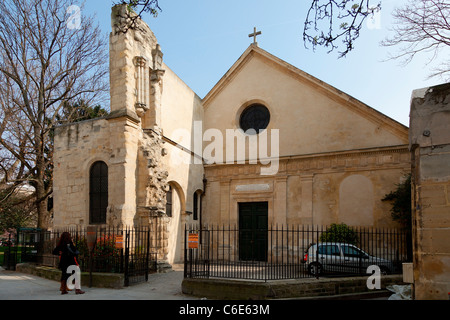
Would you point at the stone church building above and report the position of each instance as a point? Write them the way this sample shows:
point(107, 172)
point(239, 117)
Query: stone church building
point(267, 140)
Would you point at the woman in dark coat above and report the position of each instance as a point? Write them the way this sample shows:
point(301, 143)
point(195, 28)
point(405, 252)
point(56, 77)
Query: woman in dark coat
point(67, 257)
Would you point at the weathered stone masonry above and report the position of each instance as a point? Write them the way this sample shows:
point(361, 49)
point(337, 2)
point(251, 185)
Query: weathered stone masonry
point(128, 140)
point(430, 149)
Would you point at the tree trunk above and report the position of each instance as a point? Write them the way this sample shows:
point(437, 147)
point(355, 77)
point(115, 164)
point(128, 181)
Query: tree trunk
point(43, 214)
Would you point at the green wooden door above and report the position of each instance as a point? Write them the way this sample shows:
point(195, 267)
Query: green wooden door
point(253, 225)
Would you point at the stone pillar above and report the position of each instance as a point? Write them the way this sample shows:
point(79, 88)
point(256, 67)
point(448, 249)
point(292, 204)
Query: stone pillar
point(159, 237)
point(122, 65)
point(225, 209)
point(153, 116)
point(279, 214)
point(134, 52)
point(430, 154)
point(307, 200)
point(142, 86)
point(124, 139)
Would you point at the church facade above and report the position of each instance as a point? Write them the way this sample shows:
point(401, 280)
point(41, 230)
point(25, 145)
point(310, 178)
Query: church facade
point(267, 140)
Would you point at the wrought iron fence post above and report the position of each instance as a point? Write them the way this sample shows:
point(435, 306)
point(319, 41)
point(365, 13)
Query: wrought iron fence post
point(90, 268)
point(7, 256)
point(191, 262)
point(91, 235)
point(317, 252)
point(185, 252)
point(121, 258)
point(147, 255)
point(208, 255)
point(126, 258)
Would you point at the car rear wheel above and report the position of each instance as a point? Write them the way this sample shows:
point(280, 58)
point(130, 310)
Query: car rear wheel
point(315, 269)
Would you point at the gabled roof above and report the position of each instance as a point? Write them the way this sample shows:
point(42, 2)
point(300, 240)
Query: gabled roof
point(333, 93)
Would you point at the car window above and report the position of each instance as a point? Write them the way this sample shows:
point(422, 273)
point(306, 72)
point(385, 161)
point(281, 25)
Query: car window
point(350, 251)
point(328, 249)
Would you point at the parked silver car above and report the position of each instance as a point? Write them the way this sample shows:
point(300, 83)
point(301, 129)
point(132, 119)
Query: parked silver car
point(342, 258)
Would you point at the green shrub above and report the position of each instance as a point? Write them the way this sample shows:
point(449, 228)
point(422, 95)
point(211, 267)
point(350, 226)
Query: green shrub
point(400, 200)
point(340, 233)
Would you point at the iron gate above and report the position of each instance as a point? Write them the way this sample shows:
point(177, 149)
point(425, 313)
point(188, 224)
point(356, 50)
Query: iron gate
point(139, 260)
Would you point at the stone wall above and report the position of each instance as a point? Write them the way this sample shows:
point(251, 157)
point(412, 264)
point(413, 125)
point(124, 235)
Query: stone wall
point(337, 156)
point(312, 117)
point(77, 146)
point(339, 187)
point(138, 141)
point(99, 279)
point(353, 288)
point(430, 148)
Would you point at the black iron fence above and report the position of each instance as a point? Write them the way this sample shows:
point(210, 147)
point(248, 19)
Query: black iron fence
point(292, 252)
point(131, 251)
point(7, 255)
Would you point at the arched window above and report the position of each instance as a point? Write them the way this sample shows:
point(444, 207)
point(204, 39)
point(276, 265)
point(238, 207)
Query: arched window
point(195, 213)
point(98, 192)
point(169, 202)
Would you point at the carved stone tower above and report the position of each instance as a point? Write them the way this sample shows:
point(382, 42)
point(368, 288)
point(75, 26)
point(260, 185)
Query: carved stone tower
point(136, 69)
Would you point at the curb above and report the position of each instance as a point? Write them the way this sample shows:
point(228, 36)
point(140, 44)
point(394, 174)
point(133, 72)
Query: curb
point(99, 280)
point(330, 288)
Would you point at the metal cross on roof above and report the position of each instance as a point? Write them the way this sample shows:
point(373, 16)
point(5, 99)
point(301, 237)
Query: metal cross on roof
point(254, 35)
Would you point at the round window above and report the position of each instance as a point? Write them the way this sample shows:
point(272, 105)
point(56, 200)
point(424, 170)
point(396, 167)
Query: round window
point(255, 117)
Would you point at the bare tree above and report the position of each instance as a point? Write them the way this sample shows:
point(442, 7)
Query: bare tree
point(138, 7)
point(422, 26)
point(49, 55)
point(329, 21)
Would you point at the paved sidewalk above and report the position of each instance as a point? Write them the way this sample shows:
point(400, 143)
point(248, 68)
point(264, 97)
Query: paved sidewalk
point(160, 286)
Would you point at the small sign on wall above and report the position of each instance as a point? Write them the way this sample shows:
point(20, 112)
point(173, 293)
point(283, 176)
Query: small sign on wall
point(119, 242)
point(193, 241)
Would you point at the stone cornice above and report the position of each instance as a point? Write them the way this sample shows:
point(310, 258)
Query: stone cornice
point(123, 113)
point(351, 160)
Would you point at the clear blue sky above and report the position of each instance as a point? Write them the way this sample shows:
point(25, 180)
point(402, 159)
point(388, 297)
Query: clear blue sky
point(201, 39)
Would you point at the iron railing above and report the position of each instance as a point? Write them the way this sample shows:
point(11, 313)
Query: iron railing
point(131, 251)
point(291, 252)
